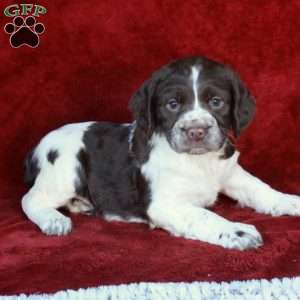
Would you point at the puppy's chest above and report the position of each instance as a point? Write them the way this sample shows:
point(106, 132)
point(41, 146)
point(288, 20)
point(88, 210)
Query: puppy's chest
point(183, 178)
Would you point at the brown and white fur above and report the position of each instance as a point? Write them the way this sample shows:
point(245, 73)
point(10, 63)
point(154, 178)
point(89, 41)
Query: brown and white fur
point(166, 168)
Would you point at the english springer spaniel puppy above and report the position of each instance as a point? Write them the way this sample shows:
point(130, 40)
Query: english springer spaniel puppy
point(166, 168)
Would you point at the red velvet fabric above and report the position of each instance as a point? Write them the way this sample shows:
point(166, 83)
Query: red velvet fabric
point(91, 58)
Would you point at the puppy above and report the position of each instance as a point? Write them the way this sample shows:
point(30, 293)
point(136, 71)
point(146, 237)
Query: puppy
point(166, 168)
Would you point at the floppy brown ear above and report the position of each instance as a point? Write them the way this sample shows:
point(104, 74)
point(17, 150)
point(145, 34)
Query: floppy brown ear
point(243, 107)
point(142, 102)
point(141, 105)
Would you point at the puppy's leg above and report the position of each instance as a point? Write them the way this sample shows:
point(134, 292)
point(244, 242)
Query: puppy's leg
point(40, 208)
point(200, 224)
point(250, 191)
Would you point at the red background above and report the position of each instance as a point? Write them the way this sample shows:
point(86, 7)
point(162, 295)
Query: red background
point(91, 58)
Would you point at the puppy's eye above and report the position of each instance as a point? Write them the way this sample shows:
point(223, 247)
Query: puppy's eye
point(173, 105)
point(216, 103)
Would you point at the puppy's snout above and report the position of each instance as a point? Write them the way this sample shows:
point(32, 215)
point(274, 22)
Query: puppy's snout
point(197, 134)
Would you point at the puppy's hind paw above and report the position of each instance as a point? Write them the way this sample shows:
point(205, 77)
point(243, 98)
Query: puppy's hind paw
point(60, 225)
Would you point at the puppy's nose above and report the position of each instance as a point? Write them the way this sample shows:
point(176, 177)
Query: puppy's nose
point(196, 134)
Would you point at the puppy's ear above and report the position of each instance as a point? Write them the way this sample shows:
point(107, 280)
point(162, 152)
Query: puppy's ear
point(142, 103)
point(243, 106)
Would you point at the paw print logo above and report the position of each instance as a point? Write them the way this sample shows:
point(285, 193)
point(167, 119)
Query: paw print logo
point(24, 31)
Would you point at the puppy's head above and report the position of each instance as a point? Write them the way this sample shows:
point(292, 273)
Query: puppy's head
point(195, 103)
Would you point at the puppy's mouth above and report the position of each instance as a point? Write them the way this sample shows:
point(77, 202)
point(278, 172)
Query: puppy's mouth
point(180, 143)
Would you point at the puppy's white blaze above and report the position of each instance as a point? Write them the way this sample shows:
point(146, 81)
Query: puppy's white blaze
point(194, 77)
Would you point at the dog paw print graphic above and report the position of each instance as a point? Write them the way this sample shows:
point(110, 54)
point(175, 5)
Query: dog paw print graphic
point(24, 31)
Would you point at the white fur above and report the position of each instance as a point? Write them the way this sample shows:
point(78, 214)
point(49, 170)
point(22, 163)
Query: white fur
point(182, 185)
point(194, 77)
point(192, 178)
point(252, 192)
point(54, 186)
point(199, 116)
point(110, 217)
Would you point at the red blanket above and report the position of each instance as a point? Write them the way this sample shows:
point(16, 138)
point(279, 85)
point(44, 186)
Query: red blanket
point(92, 56)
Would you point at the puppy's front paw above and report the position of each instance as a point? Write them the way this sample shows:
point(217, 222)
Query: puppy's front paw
point(240, 236)
point(288, 205)
point(58, 225)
